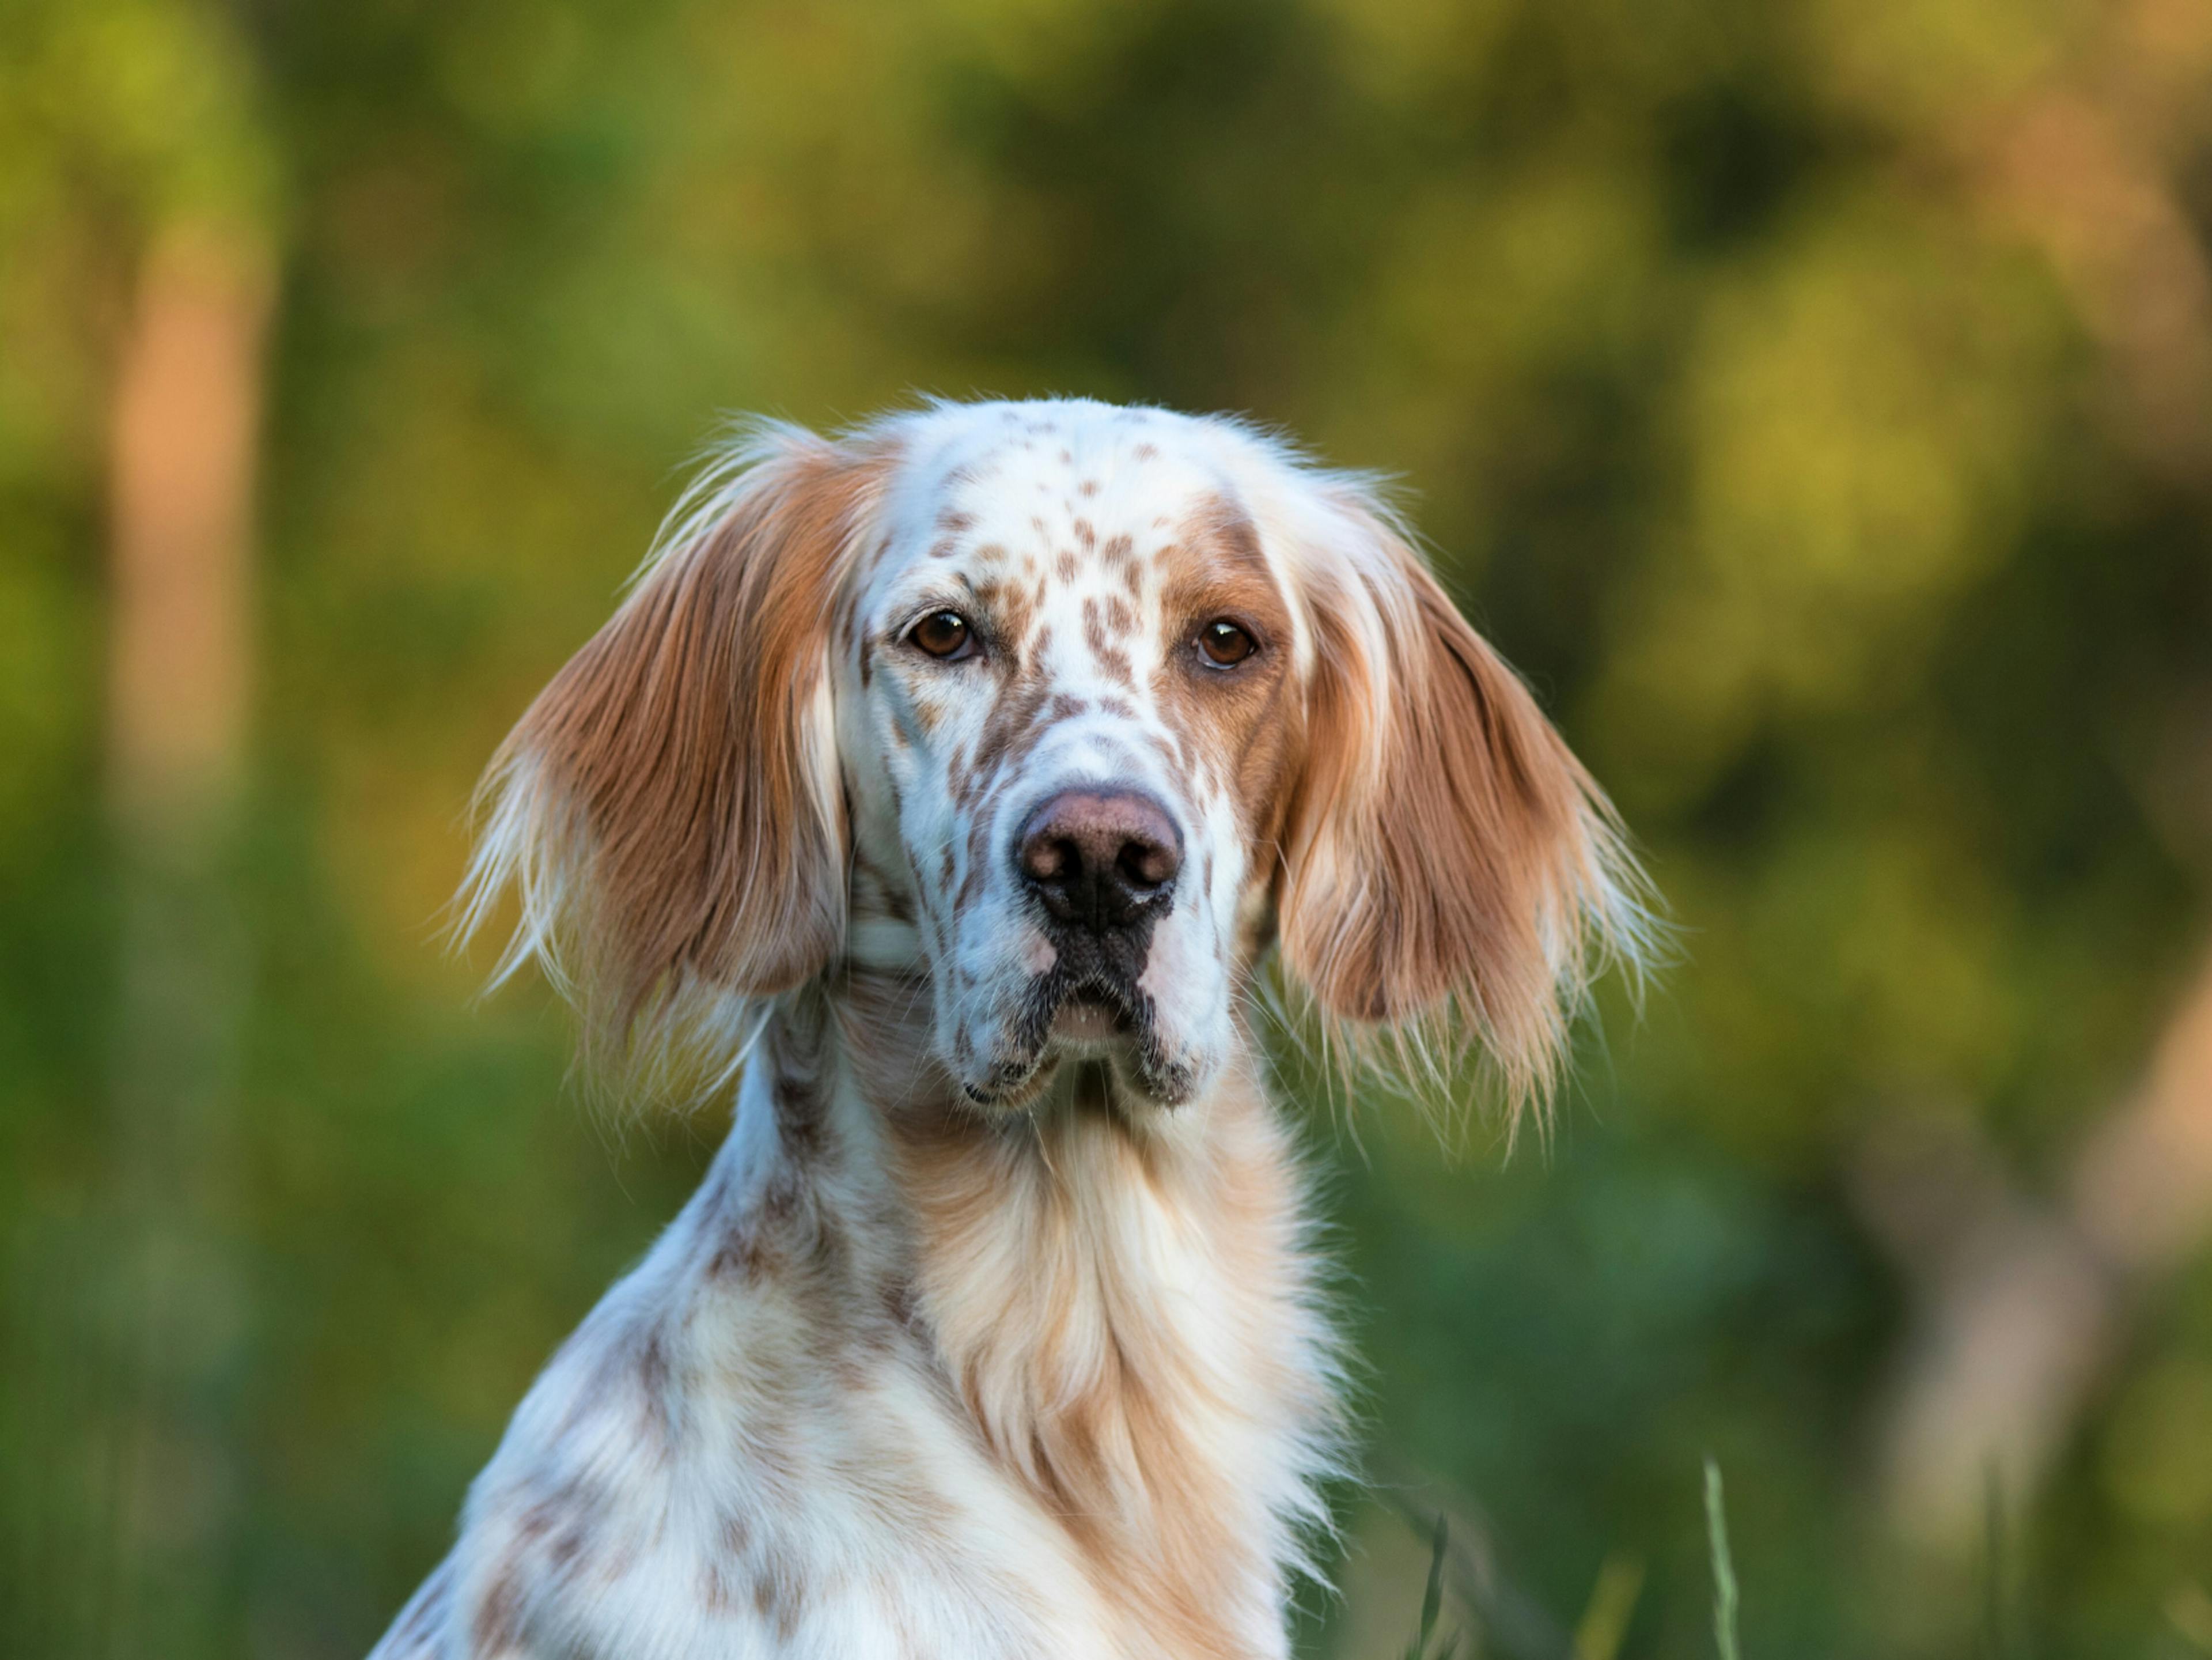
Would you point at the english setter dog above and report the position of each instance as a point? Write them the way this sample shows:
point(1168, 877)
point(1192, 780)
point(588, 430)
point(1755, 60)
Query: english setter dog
point(950, 783)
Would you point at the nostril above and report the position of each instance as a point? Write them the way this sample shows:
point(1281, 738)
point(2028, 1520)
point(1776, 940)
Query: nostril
point(1046, 859)
point(1148, 864)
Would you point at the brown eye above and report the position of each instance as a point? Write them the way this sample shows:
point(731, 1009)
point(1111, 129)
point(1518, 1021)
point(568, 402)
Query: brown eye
point(944, 634)
point(1224, 644)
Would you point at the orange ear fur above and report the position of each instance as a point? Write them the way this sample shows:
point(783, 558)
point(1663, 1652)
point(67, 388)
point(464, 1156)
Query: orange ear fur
point(1447, 860)
point(668, 809)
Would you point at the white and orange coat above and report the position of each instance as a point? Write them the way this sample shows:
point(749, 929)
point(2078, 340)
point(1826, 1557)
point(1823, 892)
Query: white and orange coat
point(993, 1330)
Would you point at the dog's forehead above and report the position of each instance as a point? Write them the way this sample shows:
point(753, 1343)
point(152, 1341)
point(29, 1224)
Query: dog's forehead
point(1049, 490)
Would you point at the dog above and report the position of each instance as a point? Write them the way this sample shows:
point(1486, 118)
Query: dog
point(958, 789)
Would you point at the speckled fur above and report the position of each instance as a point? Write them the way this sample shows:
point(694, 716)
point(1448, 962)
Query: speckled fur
point(979, 1339)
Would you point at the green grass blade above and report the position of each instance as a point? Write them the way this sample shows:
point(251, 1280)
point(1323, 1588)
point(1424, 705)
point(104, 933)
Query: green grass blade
point(1724, 1590)
point(1432, 1599)
point(2005, 1634)
point(1604, 1625)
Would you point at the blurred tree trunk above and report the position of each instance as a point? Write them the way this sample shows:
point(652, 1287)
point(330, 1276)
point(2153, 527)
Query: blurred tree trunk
point(2024, 1307)
point(187, 404)
point(183, 438)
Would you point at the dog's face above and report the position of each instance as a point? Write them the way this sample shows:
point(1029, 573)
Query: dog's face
point(1067, 706)
point(1071, 711)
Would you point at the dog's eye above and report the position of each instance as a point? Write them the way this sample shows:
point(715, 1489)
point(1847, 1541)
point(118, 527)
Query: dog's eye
point(1224, 644)
point(944, 634)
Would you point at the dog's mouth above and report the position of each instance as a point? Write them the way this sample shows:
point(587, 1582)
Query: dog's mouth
point(1093, 1013)
point(1088, 1017)
point(1091, 1017)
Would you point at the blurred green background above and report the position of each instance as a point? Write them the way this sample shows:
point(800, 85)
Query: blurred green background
point(1814, 398)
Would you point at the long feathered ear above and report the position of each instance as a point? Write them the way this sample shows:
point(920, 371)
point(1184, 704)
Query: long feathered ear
point(1452, 872)
point(669, 810)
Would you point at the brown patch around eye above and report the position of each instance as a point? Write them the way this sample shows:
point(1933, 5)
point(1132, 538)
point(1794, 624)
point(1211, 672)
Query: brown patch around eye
point(1237, 719)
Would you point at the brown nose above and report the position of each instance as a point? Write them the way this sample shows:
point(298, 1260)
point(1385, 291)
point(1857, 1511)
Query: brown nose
point(1099, 857)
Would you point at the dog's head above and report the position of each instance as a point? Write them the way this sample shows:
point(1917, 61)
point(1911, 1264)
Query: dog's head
point(1071, 711)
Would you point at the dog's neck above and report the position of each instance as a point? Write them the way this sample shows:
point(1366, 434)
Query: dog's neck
point(1121, 1301)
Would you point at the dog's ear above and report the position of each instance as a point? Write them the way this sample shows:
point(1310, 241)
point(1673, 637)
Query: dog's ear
point(669, 810)
point(1447, 862)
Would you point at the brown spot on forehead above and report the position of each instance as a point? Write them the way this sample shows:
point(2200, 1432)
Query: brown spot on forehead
point(1007, 610)
point(1100, 632)
point(1238, 538)
point(1218, 561)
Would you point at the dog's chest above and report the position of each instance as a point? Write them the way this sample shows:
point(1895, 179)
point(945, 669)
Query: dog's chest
point(787, 1432)
point(849, 1510)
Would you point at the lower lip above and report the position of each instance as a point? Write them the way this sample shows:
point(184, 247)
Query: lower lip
point(1087, 1020)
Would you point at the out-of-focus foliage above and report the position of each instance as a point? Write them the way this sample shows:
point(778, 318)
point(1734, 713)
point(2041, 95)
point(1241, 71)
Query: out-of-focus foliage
point(1814, 398)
